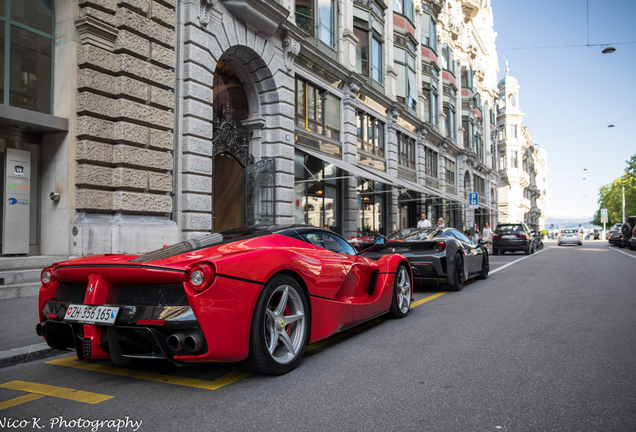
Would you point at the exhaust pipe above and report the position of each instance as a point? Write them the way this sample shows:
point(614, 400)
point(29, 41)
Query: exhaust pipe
point(39, 329)
point(176, 342)
point(194, 342)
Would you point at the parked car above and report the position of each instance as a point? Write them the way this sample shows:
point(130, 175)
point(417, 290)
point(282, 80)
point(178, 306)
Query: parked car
point(615, 236)
point(511, 237)
point(628, 230)
point(570, 236)
point(256, 296)
point(440, 254)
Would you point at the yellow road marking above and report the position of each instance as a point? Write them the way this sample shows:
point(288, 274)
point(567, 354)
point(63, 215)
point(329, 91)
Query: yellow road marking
point(19, 400)
point(151, 376)
point(226, 379)
point(59, 392)
point(429, 298)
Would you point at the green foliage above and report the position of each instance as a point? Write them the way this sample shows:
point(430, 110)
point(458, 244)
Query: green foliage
point(611, 196)
point(544, 233)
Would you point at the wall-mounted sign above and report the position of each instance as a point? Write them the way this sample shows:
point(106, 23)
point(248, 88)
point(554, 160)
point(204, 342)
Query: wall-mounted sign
point(16, 208)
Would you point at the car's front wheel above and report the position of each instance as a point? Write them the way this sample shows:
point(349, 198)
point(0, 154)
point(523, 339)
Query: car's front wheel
point(280, 328)
point(402, 293)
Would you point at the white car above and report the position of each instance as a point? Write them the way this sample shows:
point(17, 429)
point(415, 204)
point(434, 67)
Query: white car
point(570, 236)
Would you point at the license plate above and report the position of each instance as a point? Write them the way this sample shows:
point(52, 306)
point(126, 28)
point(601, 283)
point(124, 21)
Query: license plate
point(509, 236)
point(91, 314)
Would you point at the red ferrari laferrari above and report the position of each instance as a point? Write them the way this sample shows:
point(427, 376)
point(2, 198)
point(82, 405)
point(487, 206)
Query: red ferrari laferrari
point(252, 296)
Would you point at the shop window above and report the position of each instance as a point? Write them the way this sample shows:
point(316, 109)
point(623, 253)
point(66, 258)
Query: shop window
point(316, 110)
point(316, 192)
point(26, 54)
point(371, 207)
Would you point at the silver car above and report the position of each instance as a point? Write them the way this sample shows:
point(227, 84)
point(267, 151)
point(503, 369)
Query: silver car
point(570, 236)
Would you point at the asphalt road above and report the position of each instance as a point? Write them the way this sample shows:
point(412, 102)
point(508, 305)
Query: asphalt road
point(547, 343)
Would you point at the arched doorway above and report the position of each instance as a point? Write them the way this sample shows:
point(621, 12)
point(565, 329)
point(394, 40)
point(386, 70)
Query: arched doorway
point(229, 108)
point(243, 191)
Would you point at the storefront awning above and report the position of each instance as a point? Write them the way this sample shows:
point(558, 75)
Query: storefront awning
point(31, 121)
point(401, 183)
point(346, 166)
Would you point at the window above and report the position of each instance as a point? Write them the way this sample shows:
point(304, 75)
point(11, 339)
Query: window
point(362, 51)
point(501, 133)
point(305, 16)
point(26, 53)
point(404, 7)
point(429, 32)
point(514, 162)
point(377, 59)
point(329, 241)
point(467, 77)
point(503, 164)
point(370, 134)
point(369, 63)
point(430, 162)
point(430, 109)
point(372, 209)
point(448, 62)
point(449, 122)
point(406, 150)
point(316, 110)
point(405, 67)
point(316, 192)
point(469, 134)
point(450, 172)
point(513, 131)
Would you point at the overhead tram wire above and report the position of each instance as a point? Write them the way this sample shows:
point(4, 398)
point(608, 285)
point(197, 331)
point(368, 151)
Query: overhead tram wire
point(583, 130)
point(564, 46)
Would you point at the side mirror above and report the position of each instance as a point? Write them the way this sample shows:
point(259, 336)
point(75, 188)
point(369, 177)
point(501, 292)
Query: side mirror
point(380, 241)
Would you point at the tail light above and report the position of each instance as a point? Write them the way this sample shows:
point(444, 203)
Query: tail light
point(47, 277)
point(440, 247)
point(634, 231)
point(522, 235)
point(496, 236)
point(201, 277)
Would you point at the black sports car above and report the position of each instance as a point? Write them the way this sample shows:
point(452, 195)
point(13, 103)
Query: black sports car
point(439, 254)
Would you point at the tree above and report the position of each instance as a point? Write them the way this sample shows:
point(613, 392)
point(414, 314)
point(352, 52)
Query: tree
point(611, 196)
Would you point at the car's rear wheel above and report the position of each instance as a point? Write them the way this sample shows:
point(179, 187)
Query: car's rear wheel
point(280, 328)
point(458, 274)
point(485, 267)
point(402, 293)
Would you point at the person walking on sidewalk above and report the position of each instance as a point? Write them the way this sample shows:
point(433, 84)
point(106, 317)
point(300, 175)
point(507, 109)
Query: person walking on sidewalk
point(424, 222)
point(487, 233)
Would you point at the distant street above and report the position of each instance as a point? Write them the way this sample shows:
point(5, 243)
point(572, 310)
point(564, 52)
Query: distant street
point(546, 343)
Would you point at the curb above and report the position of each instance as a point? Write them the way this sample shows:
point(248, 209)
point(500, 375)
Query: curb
point(26, 354)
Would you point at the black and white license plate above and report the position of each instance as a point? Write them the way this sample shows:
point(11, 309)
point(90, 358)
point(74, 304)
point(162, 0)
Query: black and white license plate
point(86, 314)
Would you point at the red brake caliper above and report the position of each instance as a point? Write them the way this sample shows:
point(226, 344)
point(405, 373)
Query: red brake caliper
point(288, 326)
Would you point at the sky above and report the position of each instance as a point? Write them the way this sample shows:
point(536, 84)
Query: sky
point(571, 95)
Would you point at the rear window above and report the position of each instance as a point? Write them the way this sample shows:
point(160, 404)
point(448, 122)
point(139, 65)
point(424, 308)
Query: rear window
point(511, 228)
point(570, 231)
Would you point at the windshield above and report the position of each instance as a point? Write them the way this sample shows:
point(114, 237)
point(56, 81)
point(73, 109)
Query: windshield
point(402, 233)
point(424, 234)
point(509, 228)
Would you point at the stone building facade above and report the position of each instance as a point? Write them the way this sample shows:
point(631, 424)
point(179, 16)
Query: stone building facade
point(523, 167)
point(167, 119)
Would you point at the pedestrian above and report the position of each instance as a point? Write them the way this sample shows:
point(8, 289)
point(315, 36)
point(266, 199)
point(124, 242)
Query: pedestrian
point(476, 235)
point(591, 233)
point(440, 223)
point(581, 231)
point(487, 233)
point(424, 222)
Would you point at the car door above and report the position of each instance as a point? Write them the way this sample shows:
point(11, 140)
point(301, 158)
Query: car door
point(356, 274)
point(471, 251)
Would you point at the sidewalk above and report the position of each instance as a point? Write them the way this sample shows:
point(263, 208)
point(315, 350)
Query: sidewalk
point(18, 341)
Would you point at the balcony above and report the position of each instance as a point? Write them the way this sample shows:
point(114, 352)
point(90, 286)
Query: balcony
point(524, 179)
